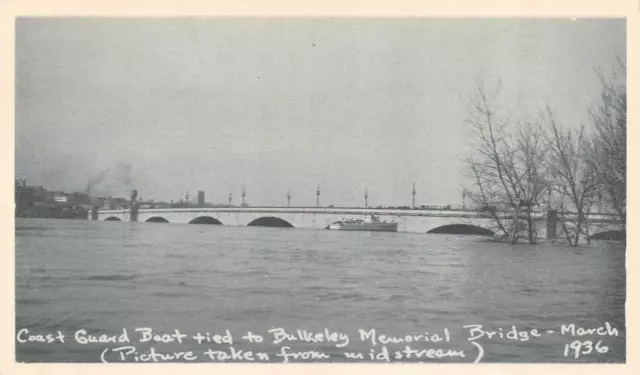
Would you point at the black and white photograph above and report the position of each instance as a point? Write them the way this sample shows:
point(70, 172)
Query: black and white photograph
point(320, 190)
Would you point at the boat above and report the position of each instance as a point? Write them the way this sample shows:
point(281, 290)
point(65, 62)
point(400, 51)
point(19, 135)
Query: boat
point(369, 223)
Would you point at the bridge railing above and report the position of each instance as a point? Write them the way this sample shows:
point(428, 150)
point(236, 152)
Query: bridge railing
point(539, 215)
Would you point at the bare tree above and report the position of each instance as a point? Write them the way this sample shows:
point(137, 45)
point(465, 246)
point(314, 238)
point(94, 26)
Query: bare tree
point(508, 170)
point(531, 170)
point(608, 147)
point(574, 182)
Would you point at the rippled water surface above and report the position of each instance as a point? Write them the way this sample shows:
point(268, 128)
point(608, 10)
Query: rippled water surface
point(106, 276)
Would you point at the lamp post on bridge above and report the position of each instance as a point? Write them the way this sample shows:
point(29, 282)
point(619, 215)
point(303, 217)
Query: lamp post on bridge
point(413, 193)
point(230, 198)
point(464, 196)
point(289, 198)
point(318, 196)
point(366, 198)
point(244, 194)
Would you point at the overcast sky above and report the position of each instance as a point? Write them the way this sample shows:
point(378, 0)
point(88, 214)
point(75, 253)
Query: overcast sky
point(175, 105)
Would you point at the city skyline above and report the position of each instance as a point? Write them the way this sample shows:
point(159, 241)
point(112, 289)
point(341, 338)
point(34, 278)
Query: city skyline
point(197, 199)
point(280, 106)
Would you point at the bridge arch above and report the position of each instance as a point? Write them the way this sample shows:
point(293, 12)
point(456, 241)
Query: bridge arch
point(270, 221)
point(112, 218)
point(157, 219)
point(610, 235)
point(461, 229)
point(205, 220)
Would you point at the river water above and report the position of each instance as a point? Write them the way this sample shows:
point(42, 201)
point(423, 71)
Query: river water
point(104, 277)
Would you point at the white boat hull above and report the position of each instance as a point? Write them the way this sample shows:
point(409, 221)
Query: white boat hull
point(371, 227)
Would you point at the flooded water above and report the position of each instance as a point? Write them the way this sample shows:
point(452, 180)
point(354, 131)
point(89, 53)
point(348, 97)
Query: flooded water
point(104, 277)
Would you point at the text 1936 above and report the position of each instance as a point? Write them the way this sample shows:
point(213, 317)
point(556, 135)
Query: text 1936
point(579, 348)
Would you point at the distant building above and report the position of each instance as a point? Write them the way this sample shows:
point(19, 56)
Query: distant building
point(60, 199)
point(119, 203)
point(24, 197)
point(161, 205)
point(110, 203)
point(97, 202)
point(201, 198)
point(79, 198)
point(36, 201)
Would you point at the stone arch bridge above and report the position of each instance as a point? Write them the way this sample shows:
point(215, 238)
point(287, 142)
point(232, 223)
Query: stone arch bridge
point(413, 221)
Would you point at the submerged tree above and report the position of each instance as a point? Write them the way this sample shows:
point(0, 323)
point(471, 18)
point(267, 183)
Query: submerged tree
point(573, 182)
point(519, 165)
point(608, 147)
point(508, 170)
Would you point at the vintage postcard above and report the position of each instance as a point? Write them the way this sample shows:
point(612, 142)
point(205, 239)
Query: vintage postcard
point(218, 189)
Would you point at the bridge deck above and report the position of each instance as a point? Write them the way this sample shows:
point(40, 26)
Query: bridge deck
point(351, 211)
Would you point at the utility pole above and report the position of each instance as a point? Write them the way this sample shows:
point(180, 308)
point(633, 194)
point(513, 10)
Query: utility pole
point(318, 196)
point(289, 198)
point(244, 194)
point(413, 192)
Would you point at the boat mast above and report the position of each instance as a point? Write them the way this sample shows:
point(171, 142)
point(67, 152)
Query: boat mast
point(366, 204)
